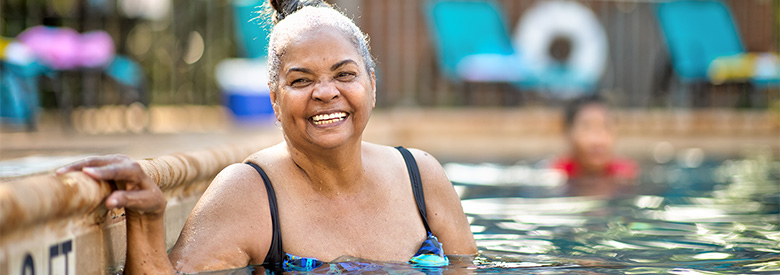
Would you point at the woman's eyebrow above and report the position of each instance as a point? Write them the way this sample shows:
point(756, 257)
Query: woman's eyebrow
point(296, 69)
point(342, 63)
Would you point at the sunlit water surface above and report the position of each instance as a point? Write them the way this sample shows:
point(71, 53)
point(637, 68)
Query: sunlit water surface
point(720, 217)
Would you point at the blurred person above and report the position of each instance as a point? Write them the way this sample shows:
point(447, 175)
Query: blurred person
point(590, 164)
point(328, 191)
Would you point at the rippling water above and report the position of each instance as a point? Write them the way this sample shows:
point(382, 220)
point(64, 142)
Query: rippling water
point(719, 217)
point(637, 235)
point(715, 218)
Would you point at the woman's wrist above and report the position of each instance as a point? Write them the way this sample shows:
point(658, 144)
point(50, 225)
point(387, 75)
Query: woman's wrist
point(154, 209)
point(145, 220)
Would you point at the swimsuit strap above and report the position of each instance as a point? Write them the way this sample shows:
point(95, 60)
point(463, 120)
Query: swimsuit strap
point(417, 188)
point(275, 255)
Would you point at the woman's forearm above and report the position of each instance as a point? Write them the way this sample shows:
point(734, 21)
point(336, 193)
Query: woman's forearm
point(144, 206)
point(146, 253)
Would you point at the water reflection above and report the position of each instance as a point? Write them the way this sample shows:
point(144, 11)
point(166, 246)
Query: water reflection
point(723, 219)
point(726, 221)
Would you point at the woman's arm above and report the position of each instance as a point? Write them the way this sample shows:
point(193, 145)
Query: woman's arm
point(445, 213)
point(144, 207)
point(227, 229)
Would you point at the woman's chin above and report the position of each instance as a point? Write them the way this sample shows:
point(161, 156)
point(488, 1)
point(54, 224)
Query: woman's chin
point(331, 140)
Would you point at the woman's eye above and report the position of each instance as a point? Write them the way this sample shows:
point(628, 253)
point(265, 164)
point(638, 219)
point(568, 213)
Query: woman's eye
point(301, 82)
point(345, 76)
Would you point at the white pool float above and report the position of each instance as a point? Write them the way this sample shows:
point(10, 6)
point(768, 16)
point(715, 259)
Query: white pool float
point(587, 59)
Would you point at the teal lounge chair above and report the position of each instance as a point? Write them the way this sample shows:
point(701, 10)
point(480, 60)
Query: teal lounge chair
point(700, 34)
point(251, 28)
point(697, 32)
point(472, 42)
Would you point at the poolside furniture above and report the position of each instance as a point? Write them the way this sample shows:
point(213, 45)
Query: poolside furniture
point(245, 91)
point(243, 81)
point(49, 51)
point(130, 77)
point(474, 45)
point(19, 94)
point(19, 73)
point(705, 47)
point(251, 28)
point(472, 42)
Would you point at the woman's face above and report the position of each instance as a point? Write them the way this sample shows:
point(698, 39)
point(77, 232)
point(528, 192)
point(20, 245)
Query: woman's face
point(324, 95)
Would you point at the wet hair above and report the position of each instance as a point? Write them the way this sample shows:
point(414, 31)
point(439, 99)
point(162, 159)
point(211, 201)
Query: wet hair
point(574, 106)
point(292, 18)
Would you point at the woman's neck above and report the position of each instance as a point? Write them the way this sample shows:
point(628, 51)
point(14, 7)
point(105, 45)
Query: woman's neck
point(332, 171)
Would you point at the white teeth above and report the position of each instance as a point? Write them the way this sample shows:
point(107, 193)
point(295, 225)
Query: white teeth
point(328, 118)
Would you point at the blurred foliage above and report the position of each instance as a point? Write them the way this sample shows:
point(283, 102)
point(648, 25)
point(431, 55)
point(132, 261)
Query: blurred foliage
point(180, 49)
point(178, 52)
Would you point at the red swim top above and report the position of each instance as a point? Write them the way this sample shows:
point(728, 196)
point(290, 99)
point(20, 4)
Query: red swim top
point(618, 168)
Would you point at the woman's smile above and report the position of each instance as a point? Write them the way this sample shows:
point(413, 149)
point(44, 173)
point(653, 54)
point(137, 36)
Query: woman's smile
point(329, 119)
point(325, 94)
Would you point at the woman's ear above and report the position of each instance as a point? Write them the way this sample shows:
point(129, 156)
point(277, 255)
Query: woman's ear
point(373, 88)
point(274, 100)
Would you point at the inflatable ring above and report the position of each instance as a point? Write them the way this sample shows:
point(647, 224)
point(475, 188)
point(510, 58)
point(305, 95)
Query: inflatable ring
point(564, 45)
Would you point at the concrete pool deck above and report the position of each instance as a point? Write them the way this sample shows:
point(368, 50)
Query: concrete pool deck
point(504, 135)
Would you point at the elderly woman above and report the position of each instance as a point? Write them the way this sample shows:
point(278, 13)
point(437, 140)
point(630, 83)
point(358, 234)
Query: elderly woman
point(321, 194)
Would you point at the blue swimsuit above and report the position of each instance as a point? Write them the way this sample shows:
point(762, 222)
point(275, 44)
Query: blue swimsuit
point(430, 253)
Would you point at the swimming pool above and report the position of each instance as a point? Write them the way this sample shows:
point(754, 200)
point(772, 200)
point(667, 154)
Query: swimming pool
point(715, 217)
point(712, 217)
point(688, 215)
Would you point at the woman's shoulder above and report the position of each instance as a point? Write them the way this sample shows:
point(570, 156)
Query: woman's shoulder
point(269, 156)
point(240, 179)
point(219, 220)
point(431, 172)
point(424, 159)
point(237, 181)
point(444, 211)
point(421, 157)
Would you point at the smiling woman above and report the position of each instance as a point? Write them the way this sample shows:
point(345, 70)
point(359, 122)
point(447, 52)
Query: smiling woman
point(323, 87)
point(334, 196)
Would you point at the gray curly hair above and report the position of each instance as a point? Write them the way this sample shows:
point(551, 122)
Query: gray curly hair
point(293, 18)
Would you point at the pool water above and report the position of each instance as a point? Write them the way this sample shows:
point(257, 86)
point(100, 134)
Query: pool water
point(714, 217)
point(717, 217)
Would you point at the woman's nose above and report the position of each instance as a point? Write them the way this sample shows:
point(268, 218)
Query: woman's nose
point(325, 91)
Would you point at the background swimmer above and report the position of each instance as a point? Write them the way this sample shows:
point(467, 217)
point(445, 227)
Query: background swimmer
point(590, 164)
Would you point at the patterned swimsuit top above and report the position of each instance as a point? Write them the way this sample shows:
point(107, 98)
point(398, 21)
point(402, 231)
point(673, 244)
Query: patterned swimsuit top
point(430, 253)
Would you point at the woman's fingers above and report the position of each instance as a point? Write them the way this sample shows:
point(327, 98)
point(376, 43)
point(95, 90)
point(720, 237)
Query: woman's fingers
point(125, 172)
point(120, 169)
point(136, 192)
point(92, 162)
point(142, 202)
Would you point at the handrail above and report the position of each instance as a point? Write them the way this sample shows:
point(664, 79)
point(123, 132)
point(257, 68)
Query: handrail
point(39, 198)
